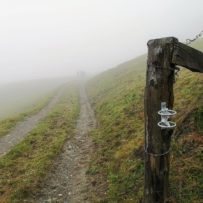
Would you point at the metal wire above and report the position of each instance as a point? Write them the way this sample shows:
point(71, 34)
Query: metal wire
point(189, 41)
point(156, 154)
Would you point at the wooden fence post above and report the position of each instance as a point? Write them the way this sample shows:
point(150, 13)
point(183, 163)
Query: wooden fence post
point(159, 88)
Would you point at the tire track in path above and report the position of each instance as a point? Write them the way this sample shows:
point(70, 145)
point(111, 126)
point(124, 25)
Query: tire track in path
point(67, 181)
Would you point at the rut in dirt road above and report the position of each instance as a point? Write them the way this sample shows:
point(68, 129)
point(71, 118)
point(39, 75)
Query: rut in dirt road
point(22, 129)
point(67, 181)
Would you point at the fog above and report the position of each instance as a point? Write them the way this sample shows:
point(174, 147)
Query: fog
point(54, 38)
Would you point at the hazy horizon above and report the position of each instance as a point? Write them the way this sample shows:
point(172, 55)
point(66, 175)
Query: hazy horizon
point(49, 38)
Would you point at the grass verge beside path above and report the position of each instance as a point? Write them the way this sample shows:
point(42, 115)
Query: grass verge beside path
point(7, 124)
point(22, 169)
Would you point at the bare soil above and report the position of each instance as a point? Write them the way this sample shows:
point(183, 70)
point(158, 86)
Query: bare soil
point(22, 129)
point(67, 181)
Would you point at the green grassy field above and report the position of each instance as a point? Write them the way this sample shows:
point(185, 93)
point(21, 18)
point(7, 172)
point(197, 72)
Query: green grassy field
point(22, 169)
point(20, 97)
point(7, 124)
point(118, 165)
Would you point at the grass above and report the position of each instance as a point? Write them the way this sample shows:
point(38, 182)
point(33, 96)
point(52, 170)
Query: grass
point(22, 169)
point(118, 165)
point(19, 97)
point(7, 124)
point(22, 99)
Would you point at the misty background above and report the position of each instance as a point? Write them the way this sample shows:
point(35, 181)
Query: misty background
point(54, 38)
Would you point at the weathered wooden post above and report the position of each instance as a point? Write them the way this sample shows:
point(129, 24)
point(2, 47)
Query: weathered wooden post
point(163, 55)
point(159, 88)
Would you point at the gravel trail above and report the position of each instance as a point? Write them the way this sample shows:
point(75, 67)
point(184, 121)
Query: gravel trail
point(22, 129)
point(67, 182)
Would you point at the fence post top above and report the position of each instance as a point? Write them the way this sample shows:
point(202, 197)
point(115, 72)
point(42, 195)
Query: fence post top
point(164, 40)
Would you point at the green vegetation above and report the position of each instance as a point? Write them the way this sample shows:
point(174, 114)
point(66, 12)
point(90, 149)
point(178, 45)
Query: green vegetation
point(27, 163)
point(7, 124)
point(20, 97)
point(118, 165)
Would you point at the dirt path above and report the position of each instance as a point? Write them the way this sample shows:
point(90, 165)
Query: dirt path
point(23, 128)
point(67, 182)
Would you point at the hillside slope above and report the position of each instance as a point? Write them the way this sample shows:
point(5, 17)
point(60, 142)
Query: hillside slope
point(118, 165)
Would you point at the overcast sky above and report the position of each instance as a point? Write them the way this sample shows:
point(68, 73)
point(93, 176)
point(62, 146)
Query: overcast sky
point(47, 38)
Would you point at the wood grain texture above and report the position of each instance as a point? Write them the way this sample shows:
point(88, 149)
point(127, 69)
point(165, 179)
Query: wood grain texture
point(159, 88)
point(187, 57)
